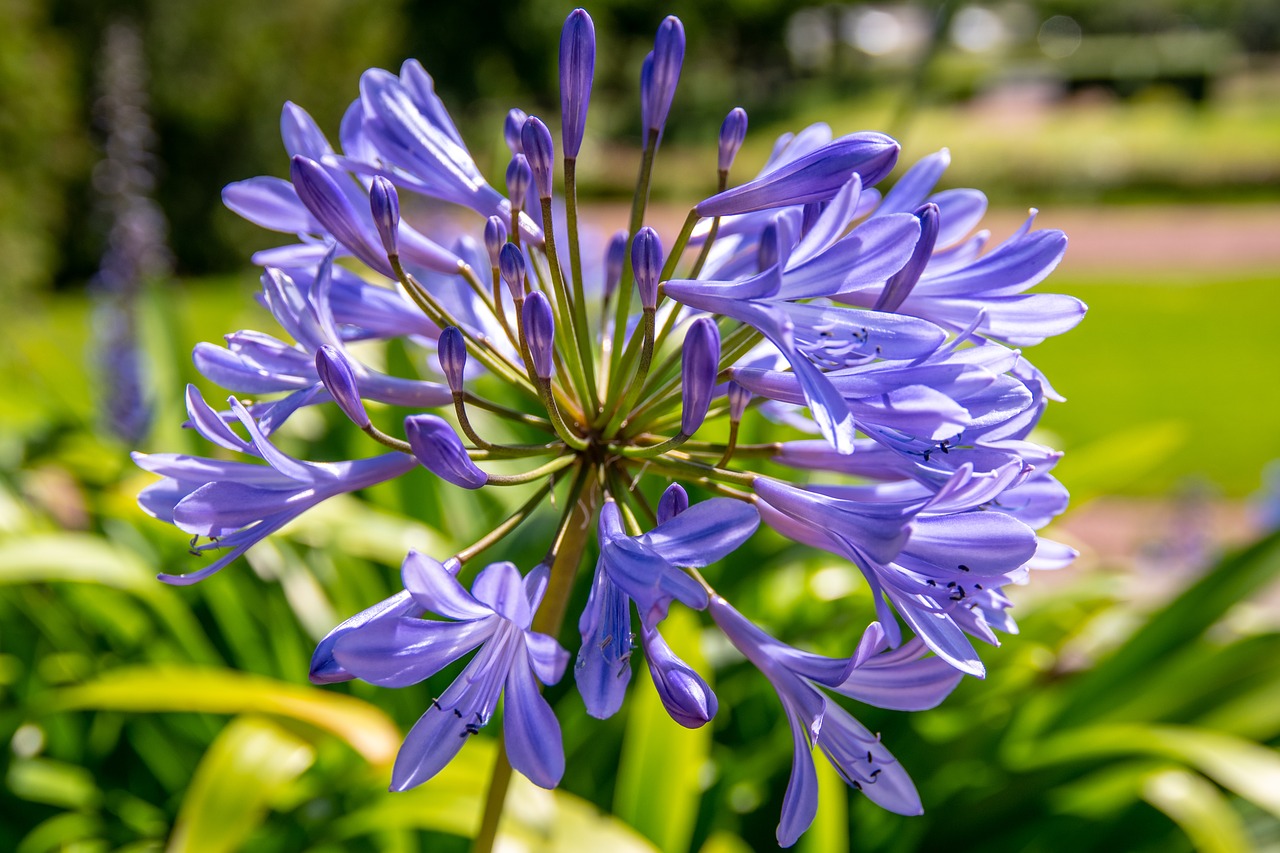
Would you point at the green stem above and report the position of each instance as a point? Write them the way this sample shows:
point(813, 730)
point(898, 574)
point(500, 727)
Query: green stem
point(575, 271)
point(557, 464)
point(571, 543)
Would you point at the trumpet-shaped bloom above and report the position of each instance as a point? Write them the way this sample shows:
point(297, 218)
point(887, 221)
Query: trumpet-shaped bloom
point(494, 617)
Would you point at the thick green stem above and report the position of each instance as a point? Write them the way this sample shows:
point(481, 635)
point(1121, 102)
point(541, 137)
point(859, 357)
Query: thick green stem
point(571, 544)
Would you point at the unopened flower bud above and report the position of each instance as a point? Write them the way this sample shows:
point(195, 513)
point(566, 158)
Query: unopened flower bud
point(732, 133)
point(738, 399)
point(540, 333)
point(495, 237)
point(901, 283)
point(674, 501)
point(330, 206)
point(452, 350)
point(384, 204)
point(686, 696)
point(646, 263)
point(615, 257)
point(511, 128)
point(519, 176)
point(441, 452)
point(577, 68)
point(660, 74)
point(340, 381)
point(541, 153)
point(699, 367)
point(817, 176)
point(511, 267)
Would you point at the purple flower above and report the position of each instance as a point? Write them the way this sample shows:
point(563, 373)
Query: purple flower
point(661, 73)
point(577, 67)
point(902, 680)
point(816, 176)
point(236, 504)
point(396, 651)
point(880, 323)
point(646, 569)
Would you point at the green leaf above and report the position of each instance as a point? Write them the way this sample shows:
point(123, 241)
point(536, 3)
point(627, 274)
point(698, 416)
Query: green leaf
point(1247, 769)
point(659, 773)
point(54, 783)
point(1178, 625)
point(250, 763)
point(1199, 809)
point(533, 820)
point(81, 558)
point(149, 689)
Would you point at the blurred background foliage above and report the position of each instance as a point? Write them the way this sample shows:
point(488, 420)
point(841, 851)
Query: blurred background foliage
point(1138, 710)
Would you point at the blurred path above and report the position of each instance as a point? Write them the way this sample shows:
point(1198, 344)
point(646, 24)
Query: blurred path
point(1186, 239)
point(1182, 238)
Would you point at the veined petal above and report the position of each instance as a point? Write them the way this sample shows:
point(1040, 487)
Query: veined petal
point(704, 533)
point(532, 732)
point(500, 587)
point(405, 650)
point(436, 589)
point(870, 254)
point(270, 203)
point(800, 803)
point(324, 668)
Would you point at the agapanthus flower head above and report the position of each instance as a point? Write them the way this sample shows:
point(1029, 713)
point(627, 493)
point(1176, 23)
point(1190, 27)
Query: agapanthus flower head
point(876, 325)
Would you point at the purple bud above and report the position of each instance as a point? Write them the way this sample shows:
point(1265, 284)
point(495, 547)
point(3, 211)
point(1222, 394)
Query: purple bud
point(738, 399)
point(440, 451)
point(732, 132)
point(519, 176)
point(658, 85)
point(699, 367)
point(901, 283)
point(684, 693)
point(817, 176)
point(674, 501)
point(452, 350)
point(340, 381)
point(540, 333)
point(511, 267)
point(511, 128)
point(541, 153)
point(615, 256)
point(321, 195)
point(384, 204)
point(495, 237)
point(577, 67)
point(646, 262)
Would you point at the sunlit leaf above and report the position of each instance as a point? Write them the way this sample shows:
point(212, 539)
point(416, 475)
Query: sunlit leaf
point(1199, 809)
point(149, 689)
point(247, 766)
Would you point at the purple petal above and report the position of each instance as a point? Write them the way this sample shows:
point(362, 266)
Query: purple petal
point(403, 651)
point(500, 587)
point(436, 589)
point(800, 803)
point(532, 732)
point(704, 533)
point(324, 668)
point(814, 177)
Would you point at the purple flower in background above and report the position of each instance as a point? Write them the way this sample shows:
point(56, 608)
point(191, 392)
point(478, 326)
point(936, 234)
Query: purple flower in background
point(591, 373)
point(495, 618)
